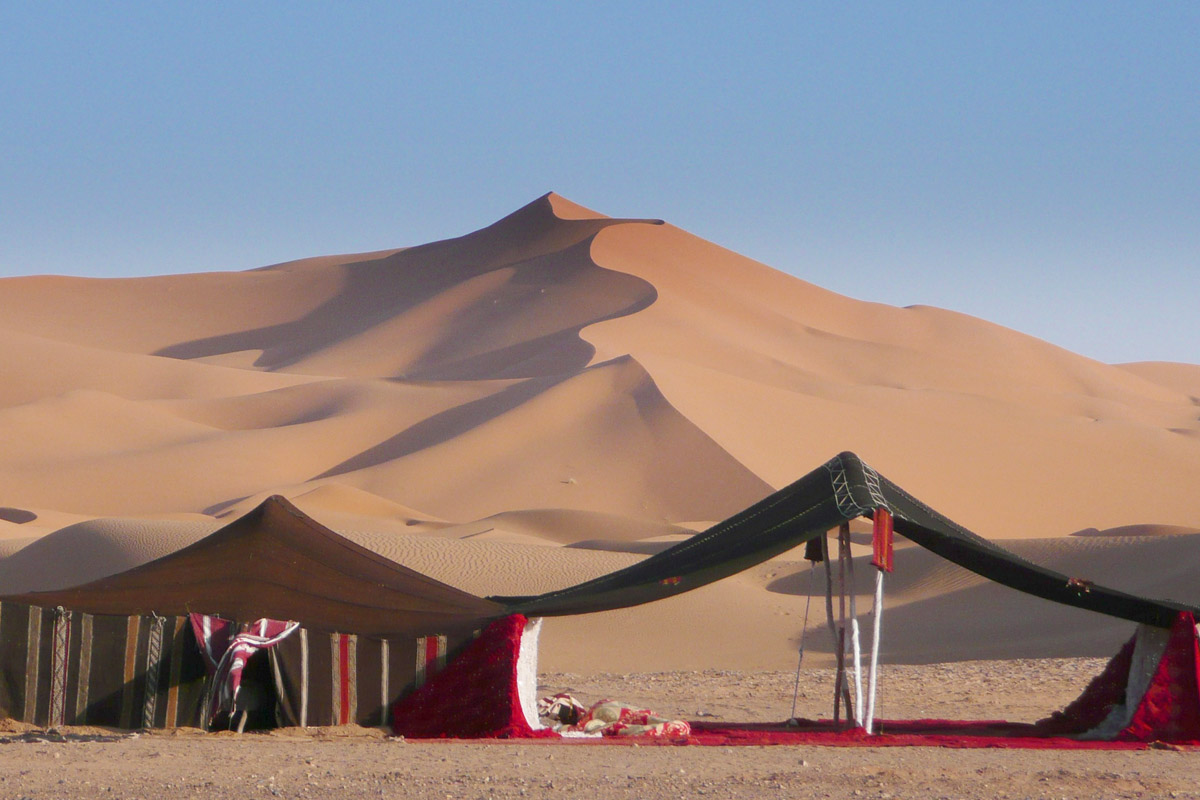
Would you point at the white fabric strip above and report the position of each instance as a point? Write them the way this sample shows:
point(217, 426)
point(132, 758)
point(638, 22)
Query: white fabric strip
point(1148, 648)
point(873, 676)
point(385, 664)
point(855, 645)
point(527, 662)
point(303, 677)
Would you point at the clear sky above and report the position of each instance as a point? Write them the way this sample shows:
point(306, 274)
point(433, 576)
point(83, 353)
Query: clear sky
point(1036, 164)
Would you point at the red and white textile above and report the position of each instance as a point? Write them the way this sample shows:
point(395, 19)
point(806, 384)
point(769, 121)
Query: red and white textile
point(1150, 691)
point(485, 691)
point(564, 714)
point(225, 654)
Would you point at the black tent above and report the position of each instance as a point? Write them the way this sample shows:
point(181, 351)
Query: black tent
point(843, 489)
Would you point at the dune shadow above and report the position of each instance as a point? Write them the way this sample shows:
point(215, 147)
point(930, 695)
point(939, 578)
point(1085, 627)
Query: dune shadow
point(446, 425)
point(17, 516)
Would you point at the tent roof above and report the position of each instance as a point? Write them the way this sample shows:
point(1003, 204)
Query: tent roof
point(838, 491)
point(277, 562)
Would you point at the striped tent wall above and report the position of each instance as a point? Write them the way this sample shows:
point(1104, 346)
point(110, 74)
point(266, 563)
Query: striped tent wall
point(61, 667)
point(340, 678)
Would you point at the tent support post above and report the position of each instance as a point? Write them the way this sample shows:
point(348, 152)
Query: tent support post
point(843, 680)
point(855, 644)
point(876, 624)
point(837, 650)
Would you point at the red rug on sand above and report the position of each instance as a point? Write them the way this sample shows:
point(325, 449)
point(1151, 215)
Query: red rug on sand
point(821, 733)
point(900, 733)
point(1148, 694)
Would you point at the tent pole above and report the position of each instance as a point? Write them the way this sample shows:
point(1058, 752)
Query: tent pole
point(855, 644)
point(837, 688)
point(843, 678)
point(876, 623)
point(812, 571)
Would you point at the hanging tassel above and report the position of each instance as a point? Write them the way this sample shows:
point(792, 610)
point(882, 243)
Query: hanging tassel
point(881, 540)
point(813, 551)
point(882, 559)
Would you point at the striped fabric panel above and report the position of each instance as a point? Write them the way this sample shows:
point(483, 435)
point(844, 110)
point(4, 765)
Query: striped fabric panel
point(153, 667)
point(350, 679)
point(336, 675)
point(431, 657)
point(177, 637)
point(384, 660)
point(343, 649)
point(303, 677)
point(32, 653)
point(60, 654)
point(85, 668)
point(127, 690)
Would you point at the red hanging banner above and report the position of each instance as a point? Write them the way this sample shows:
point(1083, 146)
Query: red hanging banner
point(881, 540)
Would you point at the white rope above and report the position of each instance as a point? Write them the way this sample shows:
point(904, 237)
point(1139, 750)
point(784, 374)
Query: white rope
point(812, 571)
point(854, 641)
point(876, 624)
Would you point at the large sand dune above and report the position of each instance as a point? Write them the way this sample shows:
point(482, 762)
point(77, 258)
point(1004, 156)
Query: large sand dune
point(558, 378)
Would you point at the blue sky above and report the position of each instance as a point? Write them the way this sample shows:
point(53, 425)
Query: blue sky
point(1035, 164)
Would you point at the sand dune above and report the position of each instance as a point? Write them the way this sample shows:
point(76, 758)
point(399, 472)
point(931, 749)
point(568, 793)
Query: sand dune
point(36, 368)
point(601, 439)
point(89, 550)
point(560, 392)
point(825, 373)
point(1183, 378)
point(1138, 530)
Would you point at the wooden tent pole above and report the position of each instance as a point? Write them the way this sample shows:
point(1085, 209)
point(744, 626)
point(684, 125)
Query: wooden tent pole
point(843, 679)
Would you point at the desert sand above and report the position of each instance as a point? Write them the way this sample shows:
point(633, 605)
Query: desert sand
point(561, 393)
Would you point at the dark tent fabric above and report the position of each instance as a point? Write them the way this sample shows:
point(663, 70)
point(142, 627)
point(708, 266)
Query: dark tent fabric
point(345, 678)
point(842, 489)
point(277, 562)
point(119, 651)
point(62, 667)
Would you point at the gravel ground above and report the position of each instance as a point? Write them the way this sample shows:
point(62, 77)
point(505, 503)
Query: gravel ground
point(361, 763)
